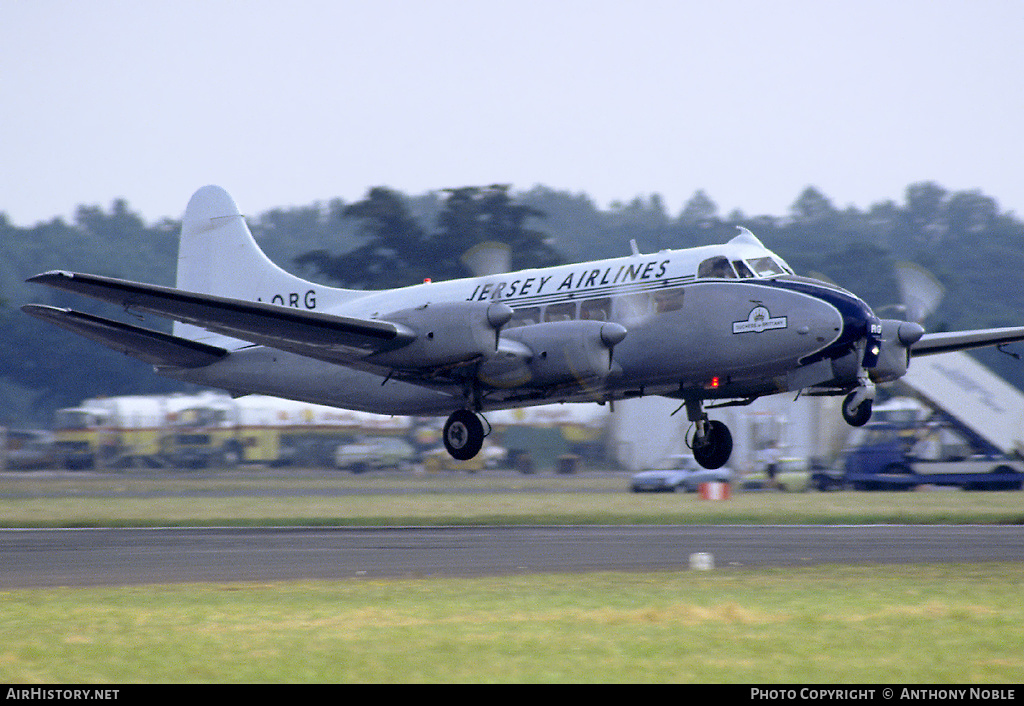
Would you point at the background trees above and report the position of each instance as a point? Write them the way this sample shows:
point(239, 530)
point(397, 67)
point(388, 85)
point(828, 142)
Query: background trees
point(398, 250)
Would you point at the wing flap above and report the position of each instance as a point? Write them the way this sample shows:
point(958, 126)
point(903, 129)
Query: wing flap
point(932, 343)
point(324, 336)
point(150, 346)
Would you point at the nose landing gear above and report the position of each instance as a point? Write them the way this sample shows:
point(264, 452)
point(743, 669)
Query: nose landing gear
point(857, 405)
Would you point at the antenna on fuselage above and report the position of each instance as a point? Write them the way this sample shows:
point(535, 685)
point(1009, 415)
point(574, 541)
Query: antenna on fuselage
point(633, 247)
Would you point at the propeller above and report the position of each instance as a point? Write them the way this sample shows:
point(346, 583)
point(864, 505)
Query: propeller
point(920, 295)
point(488, 258)
point(920, 291)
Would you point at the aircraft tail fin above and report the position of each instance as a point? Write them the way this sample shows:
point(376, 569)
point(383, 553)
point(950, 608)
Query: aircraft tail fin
point(218, 255)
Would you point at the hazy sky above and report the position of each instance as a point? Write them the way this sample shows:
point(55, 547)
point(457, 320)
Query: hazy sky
point(286, 103)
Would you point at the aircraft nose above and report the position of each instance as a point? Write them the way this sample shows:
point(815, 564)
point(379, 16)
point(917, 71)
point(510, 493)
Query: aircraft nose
point(859, 323)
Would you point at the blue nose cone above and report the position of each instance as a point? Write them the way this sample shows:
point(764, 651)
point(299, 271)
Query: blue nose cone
point(859, 323)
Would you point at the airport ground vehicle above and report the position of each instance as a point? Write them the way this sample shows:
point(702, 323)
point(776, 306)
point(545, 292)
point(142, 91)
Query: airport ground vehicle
point(115, 431)
point(268, 430)
point(212, 429)
point(23, 449)
point(208, 429)
point(374, 453)
point(682, 475)
point(911, 445)
point(549, 437)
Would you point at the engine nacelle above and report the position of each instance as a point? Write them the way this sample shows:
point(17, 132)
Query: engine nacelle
point(553, 353)
point(894, 355)
point(446, 333)
point(891, 355)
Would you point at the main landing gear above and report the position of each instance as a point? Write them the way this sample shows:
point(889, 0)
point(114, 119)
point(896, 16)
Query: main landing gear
point(464, 434)
point(712, 440)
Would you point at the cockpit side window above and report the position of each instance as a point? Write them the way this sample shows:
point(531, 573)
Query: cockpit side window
point(742, 269)
point(716, 267)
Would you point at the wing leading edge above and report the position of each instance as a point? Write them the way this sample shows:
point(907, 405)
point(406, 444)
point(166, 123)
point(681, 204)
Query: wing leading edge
point(933, 343)
point(325, 336)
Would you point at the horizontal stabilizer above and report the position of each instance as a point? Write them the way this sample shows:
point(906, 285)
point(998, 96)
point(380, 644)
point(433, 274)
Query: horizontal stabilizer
point(324, 336)
point(150, 346)
point(932, 343)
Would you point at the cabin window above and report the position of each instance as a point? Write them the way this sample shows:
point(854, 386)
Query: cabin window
point(596, 309)
point(742, 269)
point(565, 311)
point(668, 300)
point(630, 309)
point(766, 267)
point(717, 268)
point(524, 317)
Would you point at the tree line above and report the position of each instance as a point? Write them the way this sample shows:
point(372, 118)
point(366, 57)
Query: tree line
point(390, 239)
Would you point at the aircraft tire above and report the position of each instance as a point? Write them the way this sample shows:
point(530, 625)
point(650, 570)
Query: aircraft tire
point(856, 416)
point(463, 435)
point(717, 447)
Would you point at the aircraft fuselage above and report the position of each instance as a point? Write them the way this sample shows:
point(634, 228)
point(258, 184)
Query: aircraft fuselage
point(700, 322)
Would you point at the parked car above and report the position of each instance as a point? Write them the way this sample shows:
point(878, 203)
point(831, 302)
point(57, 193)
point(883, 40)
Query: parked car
point(374, 453)
point(682, 474)
point(26, 449)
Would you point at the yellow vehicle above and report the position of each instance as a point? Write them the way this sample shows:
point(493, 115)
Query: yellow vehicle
point(208, 430)
point(109, 432)
point(221, 431)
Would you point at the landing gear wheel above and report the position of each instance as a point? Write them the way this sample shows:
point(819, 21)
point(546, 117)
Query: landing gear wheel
point(856, 416)
point(714, 449)
point(463, 434)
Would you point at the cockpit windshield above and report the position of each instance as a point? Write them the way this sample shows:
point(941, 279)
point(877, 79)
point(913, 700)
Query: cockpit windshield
point(720, 267)
point(766, 267)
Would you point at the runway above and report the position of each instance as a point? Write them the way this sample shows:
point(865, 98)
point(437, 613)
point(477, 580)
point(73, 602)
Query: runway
point(99, 557)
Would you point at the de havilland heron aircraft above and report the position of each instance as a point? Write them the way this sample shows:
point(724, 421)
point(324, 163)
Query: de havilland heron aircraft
point(710, 326)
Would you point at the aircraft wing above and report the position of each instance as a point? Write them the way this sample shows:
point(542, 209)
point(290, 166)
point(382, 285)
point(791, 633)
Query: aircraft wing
point(932, 343)
point(150, 346)
point(324, 336)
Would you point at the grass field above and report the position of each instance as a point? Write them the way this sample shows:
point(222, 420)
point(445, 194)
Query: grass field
point(864, 624)
point(342, 499)
point(906, 624)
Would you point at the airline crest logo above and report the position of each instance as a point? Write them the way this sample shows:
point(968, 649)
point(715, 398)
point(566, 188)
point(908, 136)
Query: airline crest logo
point(759, 320)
